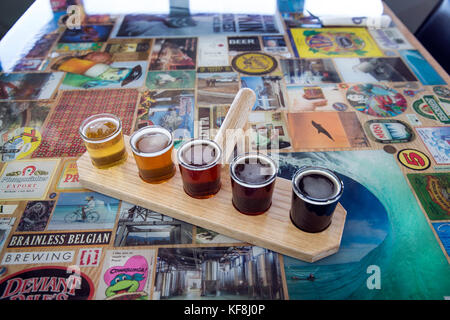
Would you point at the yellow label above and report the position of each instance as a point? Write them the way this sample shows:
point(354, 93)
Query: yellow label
point(254, 63)
point(413, 159)
point(334, 42)
point(437, 194)
point(20, 143)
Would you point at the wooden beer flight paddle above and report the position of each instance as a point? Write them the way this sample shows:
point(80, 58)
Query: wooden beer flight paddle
point(272, 230)
point(236, 118)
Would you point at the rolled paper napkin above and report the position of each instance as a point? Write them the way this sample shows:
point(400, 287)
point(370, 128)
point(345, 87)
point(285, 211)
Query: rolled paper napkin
point(371, 22)
point(367, 13)
point(343, 8)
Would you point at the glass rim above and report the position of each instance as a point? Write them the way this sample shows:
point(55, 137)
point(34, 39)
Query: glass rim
point(320, 170)
point(253, 155)
point(94, 117)
point(151, 154)
point(186, 144)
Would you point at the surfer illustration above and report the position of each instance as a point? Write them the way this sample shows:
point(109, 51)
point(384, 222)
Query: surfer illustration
point(310, 277)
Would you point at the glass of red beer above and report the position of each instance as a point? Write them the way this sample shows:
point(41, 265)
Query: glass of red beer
point(253, 181)
point(199, 163)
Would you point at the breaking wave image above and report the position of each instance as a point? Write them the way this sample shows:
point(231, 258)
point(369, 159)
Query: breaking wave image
point(380, 217)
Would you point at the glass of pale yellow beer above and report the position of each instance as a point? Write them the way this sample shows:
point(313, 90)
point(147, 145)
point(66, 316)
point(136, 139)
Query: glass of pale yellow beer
point(103, 138)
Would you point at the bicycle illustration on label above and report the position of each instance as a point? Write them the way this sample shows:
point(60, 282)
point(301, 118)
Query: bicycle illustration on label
point(84, 213)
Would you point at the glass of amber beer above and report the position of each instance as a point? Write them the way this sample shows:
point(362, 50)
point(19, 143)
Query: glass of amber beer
point(199, 163)
point(102, 135)
point(252, 182)
point(152, 149)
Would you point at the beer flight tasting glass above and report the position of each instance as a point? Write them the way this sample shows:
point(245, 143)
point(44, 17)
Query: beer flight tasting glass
point(252, 183)
point(103, 138)
point(315, 195)
point(315, 190)
point(152, 149)
point(200, 164)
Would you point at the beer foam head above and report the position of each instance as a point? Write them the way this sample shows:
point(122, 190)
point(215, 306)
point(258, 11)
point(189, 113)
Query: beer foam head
point(317, 185)
point(100, 128)
point(199, 154)
point(151, 141)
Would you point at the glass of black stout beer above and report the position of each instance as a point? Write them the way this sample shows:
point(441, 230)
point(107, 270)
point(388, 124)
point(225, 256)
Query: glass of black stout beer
point(315, 194)
point(253, 181)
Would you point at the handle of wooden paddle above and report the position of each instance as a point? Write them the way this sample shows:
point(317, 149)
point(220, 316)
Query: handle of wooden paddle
point(236, 118)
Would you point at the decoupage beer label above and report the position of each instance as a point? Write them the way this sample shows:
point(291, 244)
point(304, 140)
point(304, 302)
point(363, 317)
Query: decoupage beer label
point(27, 179)
point(431, 190)
point(254, 63)
point(334, 42)
point(19, 143)
point(430, 107)
point(437, 141)
point(126, 275)
point(38, 257)
point(243, 44)
point(69, 179)
point(388, 131)
point(47, 283)
point(59, 239)
point(413, 159)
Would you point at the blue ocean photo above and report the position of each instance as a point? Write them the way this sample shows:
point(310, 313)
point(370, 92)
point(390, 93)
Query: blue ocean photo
point(421, 68)
point(443, 231)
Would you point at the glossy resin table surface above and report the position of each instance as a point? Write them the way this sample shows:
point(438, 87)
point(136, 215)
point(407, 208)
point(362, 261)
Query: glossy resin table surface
point(368, 103)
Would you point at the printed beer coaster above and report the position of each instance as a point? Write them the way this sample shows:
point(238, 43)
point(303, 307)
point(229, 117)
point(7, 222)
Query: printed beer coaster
point(431, 108)
point(376, 100)
point(413, 159)
point(339, 106)
point(388, 131)
point(442, 92)
point(254, 63)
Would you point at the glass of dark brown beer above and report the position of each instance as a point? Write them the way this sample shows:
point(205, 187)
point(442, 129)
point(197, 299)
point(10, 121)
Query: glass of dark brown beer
point(103, 138)
point(252, 181)
point(199, 163)
point(152, 149)
point(315, 195)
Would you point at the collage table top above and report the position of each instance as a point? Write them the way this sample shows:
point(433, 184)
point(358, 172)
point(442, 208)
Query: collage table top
point(371, 104)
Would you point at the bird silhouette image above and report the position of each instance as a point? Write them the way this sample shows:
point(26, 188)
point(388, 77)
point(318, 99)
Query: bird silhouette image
point(321, 129)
